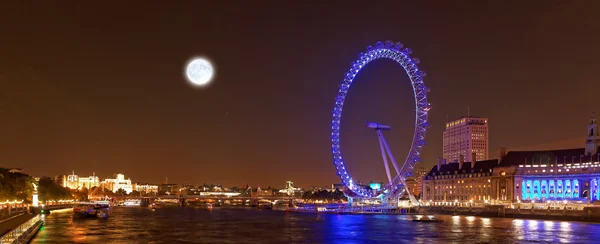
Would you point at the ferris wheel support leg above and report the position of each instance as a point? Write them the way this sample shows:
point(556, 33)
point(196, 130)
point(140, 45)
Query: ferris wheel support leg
point(385, 162)
point(387, 148)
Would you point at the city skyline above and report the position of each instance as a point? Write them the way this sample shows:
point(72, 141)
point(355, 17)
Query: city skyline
point(109, 95)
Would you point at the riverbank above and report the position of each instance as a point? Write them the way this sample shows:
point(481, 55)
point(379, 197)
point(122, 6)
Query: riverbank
point(588, 214)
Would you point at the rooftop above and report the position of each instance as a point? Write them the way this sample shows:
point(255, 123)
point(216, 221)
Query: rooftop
point(515, 158)
point(467, 167)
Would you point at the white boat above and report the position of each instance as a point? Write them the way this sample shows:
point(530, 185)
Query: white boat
point(132, 203)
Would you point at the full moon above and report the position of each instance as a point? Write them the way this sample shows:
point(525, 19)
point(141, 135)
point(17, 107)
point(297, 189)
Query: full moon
point(199, 71)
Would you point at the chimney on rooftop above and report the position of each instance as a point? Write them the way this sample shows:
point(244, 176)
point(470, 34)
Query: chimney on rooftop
point(501, 154)
point(439, 164)
point(461, 161)
point(473, 159)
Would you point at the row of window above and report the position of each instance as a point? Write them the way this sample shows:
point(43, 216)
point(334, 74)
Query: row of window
point(457, 175)
point(464, 197)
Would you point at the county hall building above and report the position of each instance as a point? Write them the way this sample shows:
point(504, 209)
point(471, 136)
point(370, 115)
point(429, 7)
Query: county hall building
point(565, 175)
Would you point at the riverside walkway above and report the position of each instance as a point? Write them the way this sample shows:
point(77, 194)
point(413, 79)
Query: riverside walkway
point(9, 224)
point(19, 229)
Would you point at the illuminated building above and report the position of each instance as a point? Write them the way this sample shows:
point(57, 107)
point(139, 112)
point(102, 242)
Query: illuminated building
point(89, 182)
point(118, 183)
point(567, 174)
point(262, 193)
point(420, 173)
point(73, 181)
point(375, 185)
point(459, 181)
point(412, 183)
point(146, 188)
point(571, 175)
point(290, 190)
point(466, 136)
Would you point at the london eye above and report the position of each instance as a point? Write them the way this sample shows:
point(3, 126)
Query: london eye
point(396, 185)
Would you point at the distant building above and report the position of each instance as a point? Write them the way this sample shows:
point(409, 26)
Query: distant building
point(73, 181)
point(59, 179)
point(340, 187)
point(89, 182)
point(290, 190)
point(420, 173)
point(262, 193)
point(465, 136)
point(412, 183)
point(146, 188)
point(169, 189)
point(119, 182)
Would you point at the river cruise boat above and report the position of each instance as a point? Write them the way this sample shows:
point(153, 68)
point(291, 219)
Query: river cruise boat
point(132, 203)
point(93, 209)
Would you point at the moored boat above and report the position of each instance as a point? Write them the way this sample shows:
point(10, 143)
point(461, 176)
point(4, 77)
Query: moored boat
point(98, 209)
point(132, 203)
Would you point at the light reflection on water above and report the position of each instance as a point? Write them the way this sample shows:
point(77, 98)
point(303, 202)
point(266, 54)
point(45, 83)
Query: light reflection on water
point(221, 225)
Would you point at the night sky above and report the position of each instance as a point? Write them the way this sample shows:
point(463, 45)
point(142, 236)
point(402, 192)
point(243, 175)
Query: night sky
point(100, 88)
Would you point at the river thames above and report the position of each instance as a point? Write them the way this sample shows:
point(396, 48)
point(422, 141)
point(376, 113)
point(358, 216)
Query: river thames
point(245, 225)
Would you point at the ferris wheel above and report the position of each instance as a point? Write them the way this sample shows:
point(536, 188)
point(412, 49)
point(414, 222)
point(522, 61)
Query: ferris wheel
point(396, 185)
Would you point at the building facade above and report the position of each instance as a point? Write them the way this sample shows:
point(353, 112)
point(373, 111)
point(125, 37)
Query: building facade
point(119, 182)
point(89, 182)
point(146, 188)
point(567, 174)
point(290, 190)
point(412, 184)
point(459, 182)
point(420, 173)
point(465, 136)
point(73, 181)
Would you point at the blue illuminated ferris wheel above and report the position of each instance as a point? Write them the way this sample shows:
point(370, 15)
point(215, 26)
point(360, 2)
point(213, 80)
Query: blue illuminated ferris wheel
point(396, 185)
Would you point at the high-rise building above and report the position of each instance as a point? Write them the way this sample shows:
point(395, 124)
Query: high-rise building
point(465, 136)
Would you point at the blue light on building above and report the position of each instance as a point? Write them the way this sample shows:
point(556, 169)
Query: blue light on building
point(566, 189)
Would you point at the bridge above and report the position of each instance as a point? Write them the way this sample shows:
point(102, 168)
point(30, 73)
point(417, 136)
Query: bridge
point(187, 199)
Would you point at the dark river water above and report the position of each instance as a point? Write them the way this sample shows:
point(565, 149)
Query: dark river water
point(227, 225)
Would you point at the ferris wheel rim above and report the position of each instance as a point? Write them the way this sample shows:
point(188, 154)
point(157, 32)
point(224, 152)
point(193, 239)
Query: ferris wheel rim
point(401, 55)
